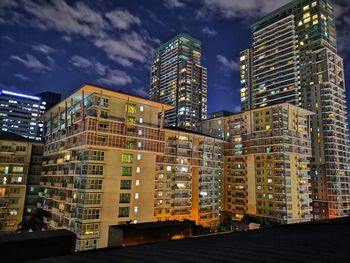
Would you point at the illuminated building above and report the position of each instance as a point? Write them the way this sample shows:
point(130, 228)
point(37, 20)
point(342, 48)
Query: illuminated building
point(266, 163)
point(108, 161)
point(20, 167)
point(20, 113)
point(179, 79)
point(295, 60)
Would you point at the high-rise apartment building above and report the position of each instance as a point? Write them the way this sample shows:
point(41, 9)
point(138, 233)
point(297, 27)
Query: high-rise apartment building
point(294, 59)
point(108, 160)
point(20, 113)
point(19, 182)
point(266, 163)
point(179, 79)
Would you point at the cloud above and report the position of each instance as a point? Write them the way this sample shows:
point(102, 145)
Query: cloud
point(238, 9)
point(8, 38)
point(78, 19)
point(106, 75)
point(171, 4)
point(237, 108)
point(43, 48)
point(141, 92)
point(20, 76)
point(33, 63)
point(227, 65)
point(208, 31)
point(122, 19)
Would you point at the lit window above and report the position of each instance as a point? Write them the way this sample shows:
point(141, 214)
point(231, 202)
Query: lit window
point(136, 209)
point(305, 8)
point(314, 4)
point(141, 120)
point(242, 58)
point(141, 108)
point(137, 182)
point(131, 108)
point(168, 168)
point(306, 15)
point(127, 158)
point(139, 144)
point(140, 132)
point(136, 195)
point(138, 169)
point(138, 156)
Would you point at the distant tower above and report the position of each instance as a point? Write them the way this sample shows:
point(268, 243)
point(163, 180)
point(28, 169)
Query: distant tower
point(178, 78)
point(51, 98)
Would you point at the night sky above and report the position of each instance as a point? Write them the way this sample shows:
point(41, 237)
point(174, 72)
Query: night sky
point(59, 45)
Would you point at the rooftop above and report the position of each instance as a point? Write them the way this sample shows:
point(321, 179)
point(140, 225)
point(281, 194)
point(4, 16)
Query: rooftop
point(325, 241)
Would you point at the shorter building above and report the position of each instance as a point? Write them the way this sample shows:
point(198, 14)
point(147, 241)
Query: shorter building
point(266, 163)
point(20, 114)
point(19, 158)
point(109, 160)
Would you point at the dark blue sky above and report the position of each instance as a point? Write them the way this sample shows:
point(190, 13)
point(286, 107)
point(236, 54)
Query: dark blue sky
point(58, 45)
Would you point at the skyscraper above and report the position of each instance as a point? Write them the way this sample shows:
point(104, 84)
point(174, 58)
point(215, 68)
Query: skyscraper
point(51, 98)
point(20, 114)
point(179, 79)
point(295, 60)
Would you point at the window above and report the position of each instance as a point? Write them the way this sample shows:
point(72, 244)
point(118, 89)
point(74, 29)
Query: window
point(20, 148)
point(168, 168)
point(140, 132)
point(136, 209)
point(141, 120)
point(131, 108)
point(126, 171)
point(127, 158)
point(136, 195)
point(137, 182)
point(125, 184)
point(123, 212)
point(141, 108)
point(104, 102)
point(17, 169)
point(124, 198)
point(138, 156)
point(138, 169)
point(131, 120)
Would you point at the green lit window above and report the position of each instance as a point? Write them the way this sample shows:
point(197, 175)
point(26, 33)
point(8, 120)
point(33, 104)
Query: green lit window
point(131, 108)
point(131, 120)
point(127, 158)
point(104, 102)
point(126, 171)
point(268, 149)
point(17, 169)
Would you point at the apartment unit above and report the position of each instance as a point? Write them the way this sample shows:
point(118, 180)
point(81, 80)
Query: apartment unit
point(104, 155)
point(20, 113)
point(179, 79)
point(294, 59)
point(266, 163)
point(17, 156)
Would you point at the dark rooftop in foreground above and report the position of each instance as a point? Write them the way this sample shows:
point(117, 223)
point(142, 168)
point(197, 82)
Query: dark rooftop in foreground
point(326, 241)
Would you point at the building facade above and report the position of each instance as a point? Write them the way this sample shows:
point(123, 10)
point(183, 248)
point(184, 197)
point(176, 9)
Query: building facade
point(20, 113)
point(51, 98)
point(266, 163)
point(295, 60)
point(18, 179)
point(107, 161)
point(179, 79)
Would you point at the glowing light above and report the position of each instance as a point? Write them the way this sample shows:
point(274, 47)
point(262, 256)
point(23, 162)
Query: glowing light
point(19, 95)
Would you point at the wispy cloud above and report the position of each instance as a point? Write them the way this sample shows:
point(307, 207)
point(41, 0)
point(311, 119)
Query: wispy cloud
point(20, 76)
point(141, 92)
point(34, 63)
point(123, 19)
point(105, 74)
point(170, 4)
point(207, 31)
point(43, 49)
point(227, 65)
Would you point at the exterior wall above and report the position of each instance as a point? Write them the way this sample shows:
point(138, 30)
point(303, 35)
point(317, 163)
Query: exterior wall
point(101, 164)
point(14, 166)
point(177, 78)
point(266, 168)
